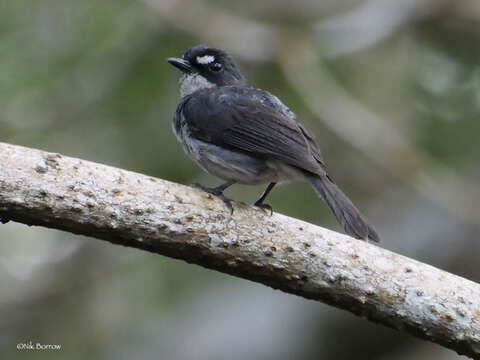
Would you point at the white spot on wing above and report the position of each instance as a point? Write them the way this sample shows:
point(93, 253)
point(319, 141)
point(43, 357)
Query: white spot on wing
point(206, 59)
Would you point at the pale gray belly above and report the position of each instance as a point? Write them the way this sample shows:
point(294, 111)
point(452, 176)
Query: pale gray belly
point(237, 166)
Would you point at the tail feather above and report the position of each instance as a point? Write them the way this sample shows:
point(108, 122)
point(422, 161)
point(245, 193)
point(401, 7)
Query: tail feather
point(346, 213)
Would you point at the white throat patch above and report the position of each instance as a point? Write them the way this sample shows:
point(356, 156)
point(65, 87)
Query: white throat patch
point(206, 59)
point(190, 83)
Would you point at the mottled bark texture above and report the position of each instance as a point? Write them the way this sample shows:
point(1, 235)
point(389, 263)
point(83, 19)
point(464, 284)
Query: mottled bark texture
point(39, 188)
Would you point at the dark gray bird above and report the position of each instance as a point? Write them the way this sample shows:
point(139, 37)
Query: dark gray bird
point(245, 135)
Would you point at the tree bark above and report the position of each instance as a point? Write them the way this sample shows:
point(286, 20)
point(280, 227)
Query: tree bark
point(40, 188)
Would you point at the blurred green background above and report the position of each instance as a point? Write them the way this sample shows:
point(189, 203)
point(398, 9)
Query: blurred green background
point(391, 88)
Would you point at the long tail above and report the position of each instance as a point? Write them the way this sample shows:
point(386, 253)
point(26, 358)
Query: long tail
point(346, 213)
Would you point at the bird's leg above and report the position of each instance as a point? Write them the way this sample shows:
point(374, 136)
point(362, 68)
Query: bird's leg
point(218, 191)
point(259, 203)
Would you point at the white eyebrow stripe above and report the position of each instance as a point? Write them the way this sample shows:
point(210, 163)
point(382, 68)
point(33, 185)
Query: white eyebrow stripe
point(206, 59)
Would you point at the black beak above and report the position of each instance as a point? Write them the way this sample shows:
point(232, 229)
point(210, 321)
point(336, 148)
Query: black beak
point(181, 64)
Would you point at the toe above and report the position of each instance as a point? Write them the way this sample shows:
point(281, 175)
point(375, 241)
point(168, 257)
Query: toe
point(265, 207)
point(228, 203)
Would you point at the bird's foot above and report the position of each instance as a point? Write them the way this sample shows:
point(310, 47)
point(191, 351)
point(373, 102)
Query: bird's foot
point(218, 192)
point(263, 206)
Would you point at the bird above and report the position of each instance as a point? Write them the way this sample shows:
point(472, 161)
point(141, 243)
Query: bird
point(242, 134)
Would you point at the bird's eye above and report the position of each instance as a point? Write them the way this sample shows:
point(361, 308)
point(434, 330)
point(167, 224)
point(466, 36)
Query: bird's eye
point(216, 67)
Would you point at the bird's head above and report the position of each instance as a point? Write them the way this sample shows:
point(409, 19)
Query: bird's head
point(205, 66)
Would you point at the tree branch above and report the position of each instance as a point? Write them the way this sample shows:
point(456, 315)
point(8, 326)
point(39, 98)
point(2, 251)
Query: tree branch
point(39, 188)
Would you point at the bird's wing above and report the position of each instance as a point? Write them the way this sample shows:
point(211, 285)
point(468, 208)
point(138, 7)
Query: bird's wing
point(275, 104)
point(239, 119)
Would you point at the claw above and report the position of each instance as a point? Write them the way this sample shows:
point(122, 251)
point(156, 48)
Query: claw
point(218, 192)
point(259, 203)
point(264, 207)
point(226, 201)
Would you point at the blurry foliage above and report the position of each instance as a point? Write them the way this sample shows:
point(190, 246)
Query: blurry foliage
point(448, 84)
